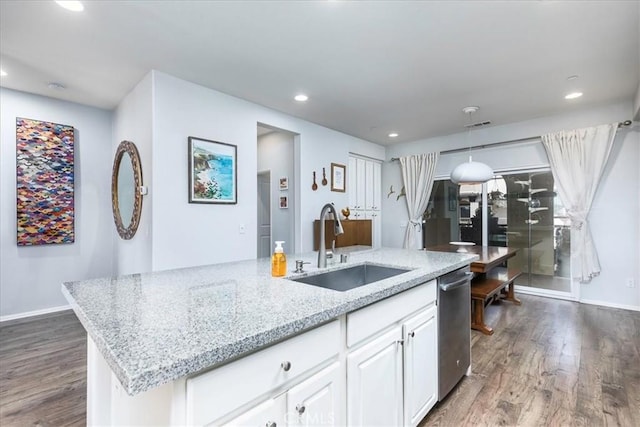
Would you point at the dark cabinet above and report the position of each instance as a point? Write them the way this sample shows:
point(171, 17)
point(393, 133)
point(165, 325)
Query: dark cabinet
point(356, 232)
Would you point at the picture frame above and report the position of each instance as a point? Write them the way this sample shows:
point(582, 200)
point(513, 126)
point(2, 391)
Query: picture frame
point(338, 177)
point(284, 202)
point(45, 176)
point(213, 172)
point(284, 183)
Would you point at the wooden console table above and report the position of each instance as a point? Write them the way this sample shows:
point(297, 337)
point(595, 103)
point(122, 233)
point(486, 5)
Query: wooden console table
point(491, 283)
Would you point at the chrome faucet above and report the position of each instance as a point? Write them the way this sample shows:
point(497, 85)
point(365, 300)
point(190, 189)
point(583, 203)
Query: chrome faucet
point(322, 250)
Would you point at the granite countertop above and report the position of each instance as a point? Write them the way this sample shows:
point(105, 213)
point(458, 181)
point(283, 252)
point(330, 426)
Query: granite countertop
point(154, 328)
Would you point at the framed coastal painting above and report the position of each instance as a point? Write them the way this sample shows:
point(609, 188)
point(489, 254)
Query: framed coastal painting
point(45, 182)
point(213, 172)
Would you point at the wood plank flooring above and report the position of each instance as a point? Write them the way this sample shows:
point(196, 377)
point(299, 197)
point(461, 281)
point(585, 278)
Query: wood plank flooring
point(43, 371)
point(549, 363)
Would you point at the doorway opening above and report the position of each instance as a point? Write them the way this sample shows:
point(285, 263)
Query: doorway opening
point(276, 200)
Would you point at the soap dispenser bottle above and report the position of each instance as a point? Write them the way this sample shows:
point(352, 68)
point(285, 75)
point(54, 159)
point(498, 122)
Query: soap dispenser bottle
point(278, 261)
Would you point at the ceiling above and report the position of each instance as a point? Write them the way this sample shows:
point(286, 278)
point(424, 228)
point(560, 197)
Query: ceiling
point(369, 68)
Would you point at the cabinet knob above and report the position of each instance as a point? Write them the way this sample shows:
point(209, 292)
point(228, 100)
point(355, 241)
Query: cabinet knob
point(285, 365)
point(412, 334)
point(400, 342)
point(271, 424)
point(300, 408)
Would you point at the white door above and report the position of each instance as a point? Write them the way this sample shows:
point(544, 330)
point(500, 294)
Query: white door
point(377, 186)
point(374, 382)
point(352, 187)
point(420, 366)
point(268, 414)
point(264, 214)
point(368, 185)
point(317, 401)
point(360, 183)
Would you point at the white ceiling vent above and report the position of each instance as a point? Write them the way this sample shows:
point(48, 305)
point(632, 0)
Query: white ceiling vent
point(477, 125)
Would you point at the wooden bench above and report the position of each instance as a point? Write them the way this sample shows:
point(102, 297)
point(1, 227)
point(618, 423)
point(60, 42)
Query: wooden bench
point(495, 285)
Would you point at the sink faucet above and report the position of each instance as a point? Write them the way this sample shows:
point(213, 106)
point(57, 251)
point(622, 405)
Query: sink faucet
point(322, 254)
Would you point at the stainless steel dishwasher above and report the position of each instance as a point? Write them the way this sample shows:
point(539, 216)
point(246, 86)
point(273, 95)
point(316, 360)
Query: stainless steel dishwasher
point(454, 329)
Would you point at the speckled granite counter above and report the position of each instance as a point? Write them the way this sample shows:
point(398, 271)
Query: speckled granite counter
point(157, 327)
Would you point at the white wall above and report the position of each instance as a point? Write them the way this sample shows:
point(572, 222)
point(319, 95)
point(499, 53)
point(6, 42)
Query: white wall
point(615, 222)
point(132, 121)
point(194, 234)
point(275, 154)
point(615, 212)
point(30, 277)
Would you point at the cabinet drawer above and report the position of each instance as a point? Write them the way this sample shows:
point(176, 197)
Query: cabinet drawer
point(215, 393)
point(369, 320)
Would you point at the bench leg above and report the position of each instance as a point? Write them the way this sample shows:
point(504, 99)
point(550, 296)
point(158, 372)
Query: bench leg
point(478, 318)
point(511, 295)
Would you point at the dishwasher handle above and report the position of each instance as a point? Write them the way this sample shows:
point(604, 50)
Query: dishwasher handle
point(458, 283)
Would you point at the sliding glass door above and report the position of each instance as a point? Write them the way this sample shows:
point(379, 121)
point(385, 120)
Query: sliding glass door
point(539, 226)
point(522, 211)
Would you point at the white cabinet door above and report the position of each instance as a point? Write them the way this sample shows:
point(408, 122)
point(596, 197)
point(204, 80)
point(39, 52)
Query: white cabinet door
point(374, 382)
point(268, 414)
point(376, 227)
point(352, 187)
point(368, 185)
point(317, 401)
point(360, 183)
point(377, 186)
point(420, 365)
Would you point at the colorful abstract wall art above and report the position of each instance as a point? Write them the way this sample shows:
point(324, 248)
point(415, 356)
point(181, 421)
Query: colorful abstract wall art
point(44, 164)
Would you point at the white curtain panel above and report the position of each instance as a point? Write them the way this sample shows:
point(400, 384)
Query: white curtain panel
point(417, 175)
point(577, 159)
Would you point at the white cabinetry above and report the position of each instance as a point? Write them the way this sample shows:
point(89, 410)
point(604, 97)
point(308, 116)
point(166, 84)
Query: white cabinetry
point(221, 392)
point(269, 414)
point(365, 190)
point(374, 382)
point(420, 366)
point(317, 400)
point(392, 368)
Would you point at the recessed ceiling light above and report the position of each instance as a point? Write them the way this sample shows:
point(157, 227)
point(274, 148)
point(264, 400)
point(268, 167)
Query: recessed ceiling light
point(72, 5)
point(573, 95)
point(3, 73)
point(301, 97)
point(393, 135)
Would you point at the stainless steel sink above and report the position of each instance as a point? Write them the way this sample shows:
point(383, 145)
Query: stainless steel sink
point(352, 277)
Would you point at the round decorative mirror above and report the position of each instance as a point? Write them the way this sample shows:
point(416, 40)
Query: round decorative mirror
point(126, 180)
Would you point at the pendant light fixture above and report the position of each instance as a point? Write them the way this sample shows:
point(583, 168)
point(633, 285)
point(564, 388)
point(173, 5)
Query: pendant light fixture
point(471, 172)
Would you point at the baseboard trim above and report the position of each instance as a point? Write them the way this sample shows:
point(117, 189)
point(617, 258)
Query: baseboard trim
point(34, 313)
point(610, 304)
point(547, 293)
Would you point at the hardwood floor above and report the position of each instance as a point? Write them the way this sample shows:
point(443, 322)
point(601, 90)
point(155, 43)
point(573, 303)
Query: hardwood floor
point(43, 374)
point(549, 363)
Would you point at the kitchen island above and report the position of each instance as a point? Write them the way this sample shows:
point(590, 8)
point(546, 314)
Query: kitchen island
point(150, 333)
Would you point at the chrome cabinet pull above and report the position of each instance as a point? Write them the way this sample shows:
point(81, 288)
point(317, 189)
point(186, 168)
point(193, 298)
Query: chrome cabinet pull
point(412, 334)
point(286, 365)
point(300, 408)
